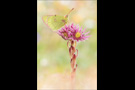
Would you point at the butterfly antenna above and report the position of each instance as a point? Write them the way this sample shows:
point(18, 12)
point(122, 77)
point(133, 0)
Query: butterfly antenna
point(69, 12)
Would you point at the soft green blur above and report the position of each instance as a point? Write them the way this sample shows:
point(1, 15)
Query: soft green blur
point(52, 52)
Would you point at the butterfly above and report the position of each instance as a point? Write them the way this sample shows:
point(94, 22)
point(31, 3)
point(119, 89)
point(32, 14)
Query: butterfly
point(55, 22)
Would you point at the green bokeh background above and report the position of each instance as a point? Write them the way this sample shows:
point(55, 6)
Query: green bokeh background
point(52, 52)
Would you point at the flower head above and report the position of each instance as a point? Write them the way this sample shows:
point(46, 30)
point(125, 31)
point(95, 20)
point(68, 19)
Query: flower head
point(78, 34)
point(73, 32)
point(65, 32)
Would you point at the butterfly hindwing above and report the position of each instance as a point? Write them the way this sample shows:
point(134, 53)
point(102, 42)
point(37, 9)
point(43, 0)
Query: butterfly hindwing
point(45, 18)
point(55, 22)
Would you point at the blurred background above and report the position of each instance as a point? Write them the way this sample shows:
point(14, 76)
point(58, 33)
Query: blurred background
point(53, 61)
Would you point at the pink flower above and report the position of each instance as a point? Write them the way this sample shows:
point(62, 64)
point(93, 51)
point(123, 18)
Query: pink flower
point(78, 34)
point(65, 32)
point(73, 32)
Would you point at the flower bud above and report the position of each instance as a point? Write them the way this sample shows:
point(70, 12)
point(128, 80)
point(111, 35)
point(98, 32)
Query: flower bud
point(72, 43)
point(73, 61)
point(70, 52)
point(73, 50)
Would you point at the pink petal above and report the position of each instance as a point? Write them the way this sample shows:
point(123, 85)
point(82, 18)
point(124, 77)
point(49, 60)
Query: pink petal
point(86, 33)
point(72, 25)
point(66, 26)
point(80, 29)
point(83, 30)
point(88, 36)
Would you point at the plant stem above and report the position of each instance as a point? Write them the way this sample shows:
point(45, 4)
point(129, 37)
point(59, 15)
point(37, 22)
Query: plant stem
point(73, 57)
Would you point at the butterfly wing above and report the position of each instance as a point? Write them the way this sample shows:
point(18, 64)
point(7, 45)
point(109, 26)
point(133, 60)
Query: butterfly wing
point(45, 19)
point(55, 22)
